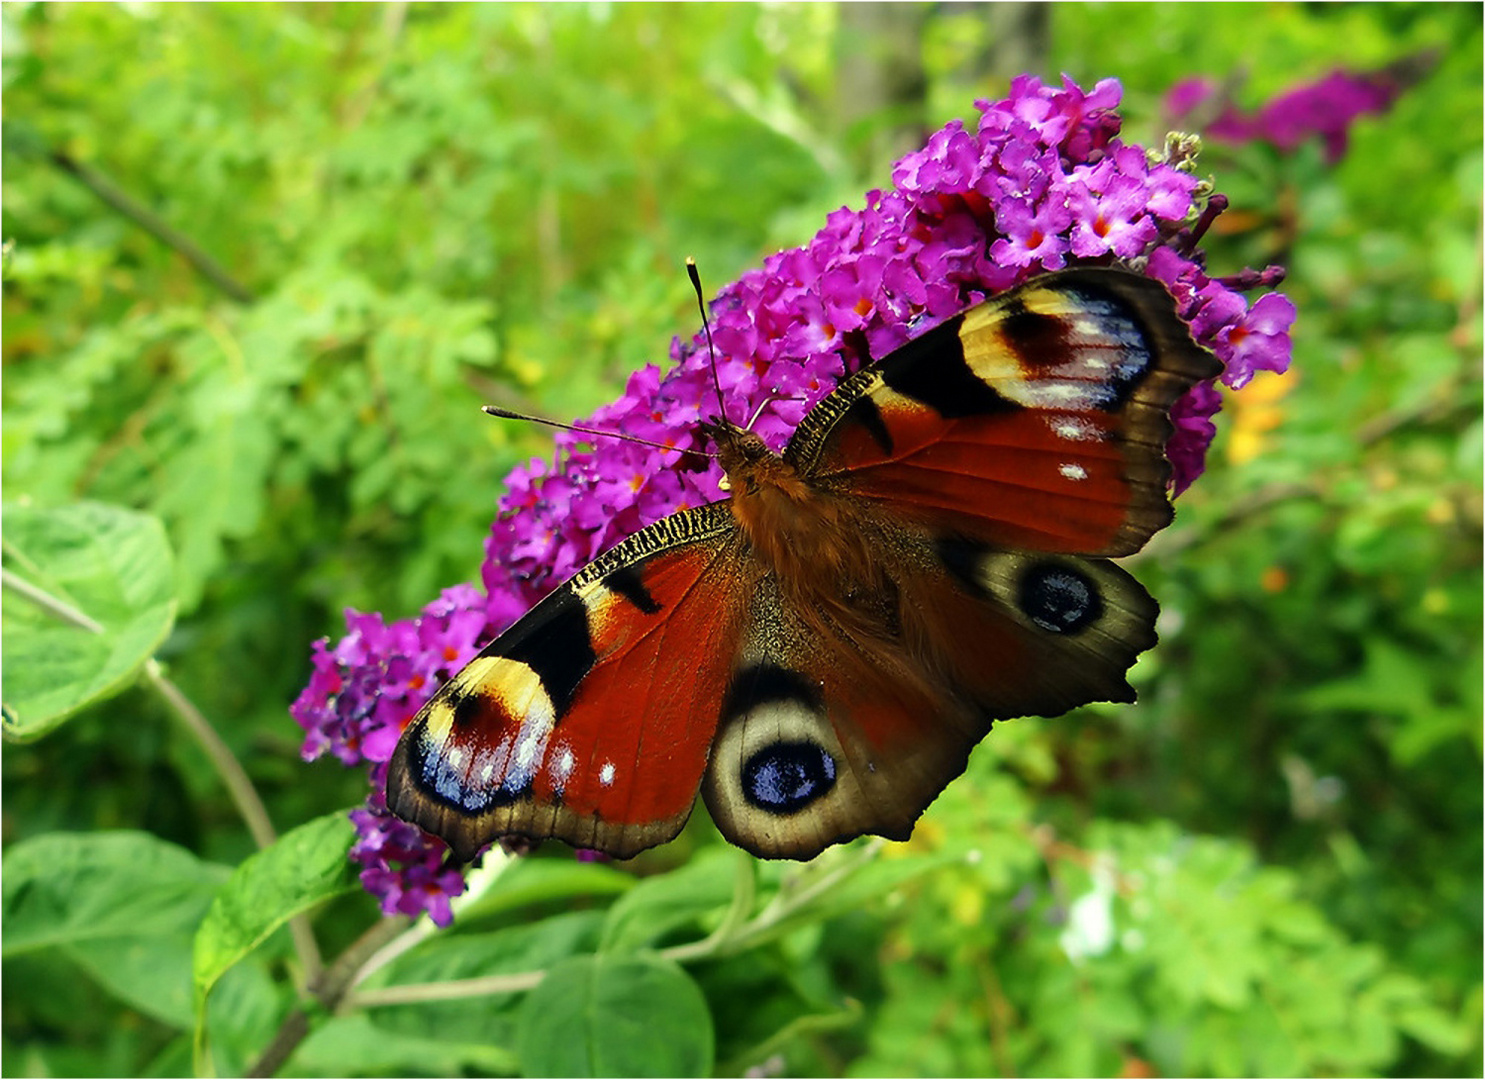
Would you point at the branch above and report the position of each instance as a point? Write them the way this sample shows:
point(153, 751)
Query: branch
point(734, 935)
point(151, 223)
point(1167, 544)
point(243, 794)
point(53, 606)
point(328, 989)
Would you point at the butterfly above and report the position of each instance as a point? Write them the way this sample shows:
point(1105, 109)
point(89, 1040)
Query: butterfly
point(818, 652)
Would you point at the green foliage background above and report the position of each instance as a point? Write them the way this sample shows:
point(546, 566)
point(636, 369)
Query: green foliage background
point(1270, 865)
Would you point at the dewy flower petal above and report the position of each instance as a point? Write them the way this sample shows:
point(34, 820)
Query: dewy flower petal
point(1041, 177)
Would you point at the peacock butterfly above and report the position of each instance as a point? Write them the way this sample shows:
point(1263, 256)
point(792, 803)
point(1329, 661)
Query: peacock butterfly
point(819, 652)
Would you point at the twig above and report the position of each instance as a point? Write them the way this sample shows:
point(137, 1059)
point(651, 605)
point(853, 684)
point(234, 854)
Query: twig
point(48, 603)
point(243, 794)
point(328, 989)
point(241, 789)
point(151, 223)
point(732, 936)
point(477, 882)
point(1441, 404)
point(1166, 544)
point(451, 989)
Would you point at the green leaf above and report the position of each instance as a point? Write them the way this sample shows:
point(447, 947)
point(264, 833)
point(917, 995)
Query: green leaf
point(246, 1008)
point(660, 905)
point(607, 1015)
point(495, 1018)
point(529, 946)
point(151, 974)
point(111, 565)
point(79, 889)
point(528, 882)
point(356, 1046)
point(305, 867)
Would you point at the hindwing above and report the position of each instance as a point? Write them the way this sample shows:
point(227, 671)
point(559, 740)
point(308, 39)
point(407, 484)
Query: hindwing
point(827, 732)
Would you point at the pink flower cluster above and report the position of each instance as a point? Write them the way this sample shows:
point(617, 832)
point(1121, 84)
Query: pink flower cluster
point(1041, 181)
point(1326, 108)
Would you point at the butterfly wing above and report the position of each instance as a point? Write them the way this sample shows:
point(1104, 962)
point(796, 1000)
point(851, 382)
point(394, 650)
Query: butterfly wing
point(1037, 420)
point(591, 718)
point(829, 731)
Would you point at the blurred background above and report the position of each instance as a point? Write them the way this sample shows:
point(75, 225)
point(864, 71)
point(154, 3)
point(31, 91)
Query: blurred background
point(263, 263)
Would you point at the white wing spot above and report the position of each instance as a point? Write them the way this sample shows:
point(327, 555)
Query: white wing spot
point(456, 758)
point(606, 774)
point(562, 767)
point(1074, 430)
point(1073, 472)
point(1058, 391)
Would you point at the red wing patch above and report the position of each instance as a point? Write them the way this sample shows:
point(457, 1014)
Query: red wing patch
point(1045, 481)
point(1036, 420)
point(590, 719)
point(826, 735)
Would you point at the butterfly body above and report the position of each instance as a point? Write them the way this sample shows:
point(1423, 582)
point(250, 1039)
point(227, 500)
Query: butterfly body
point(819, 652)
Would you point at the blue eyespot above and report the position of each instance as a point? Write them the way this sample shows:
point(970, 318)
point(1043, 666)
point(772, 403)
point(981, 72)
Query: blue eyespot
point(1058, 598)
point(785, 777)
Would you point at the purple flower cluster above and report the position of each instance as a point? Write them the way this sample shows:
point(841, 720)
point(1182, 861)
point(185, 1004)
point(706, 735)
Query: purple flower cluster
point(405, 868)
point(1326, 108)
point(1041, 181)
point(360, 696)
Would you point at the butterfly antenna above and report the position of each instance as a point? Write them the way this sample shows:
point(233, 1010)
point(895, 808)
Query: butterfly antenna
point(766, 402)
point(706, 326)
point(509, 414)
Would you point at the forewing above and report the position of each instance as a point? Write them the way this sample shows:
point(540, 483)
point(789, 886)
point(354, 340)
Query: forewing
point(590, 719)
point(1037, 420)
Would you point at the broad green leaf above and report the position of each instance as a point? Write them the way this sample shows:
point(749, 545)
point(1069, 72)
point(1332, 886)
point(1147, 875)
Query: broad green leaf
point(76, 889)
point(113, 566)
point(357, 1046)
point(246, 1007)
point(760, 1004)
point(530, 947)
point(660, 905)
point(608, 1015)
point(544, 881)
point(173, 1060)
point(151, 974)
point(303, 868)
